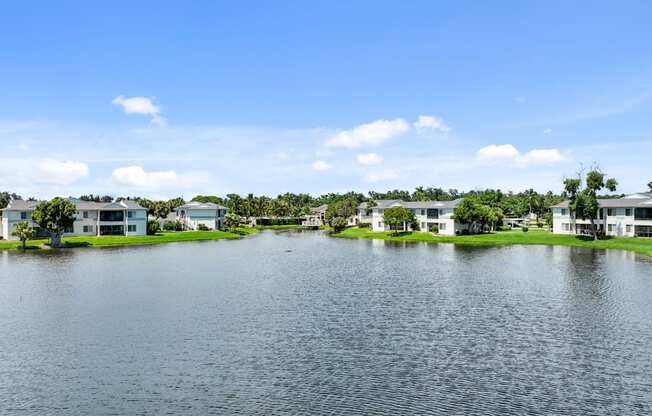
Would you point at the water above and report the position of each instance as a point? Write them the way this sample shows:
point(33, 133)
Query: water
point(299, 323)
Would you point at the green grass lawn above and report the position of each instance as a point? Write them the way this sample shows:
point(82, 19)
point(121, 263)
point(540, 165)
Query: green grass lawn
point(534, 236)
point(113, 241)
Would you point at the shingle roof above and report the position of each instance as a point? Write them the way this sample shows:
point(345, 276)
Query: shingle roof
point(642, 200)
point(201, 205)
point(388, 203)
point(18, 205)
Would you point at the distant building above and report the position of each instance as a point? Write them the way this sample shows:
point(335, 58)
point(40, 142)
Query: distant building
point(316, 218)
point(630, 216)
point(430, 215)
point(194, 213)
point(93, 218)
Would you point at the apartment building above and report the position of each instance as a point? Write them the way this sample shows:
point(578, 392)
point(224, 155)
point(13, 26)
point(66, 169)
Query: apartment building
point(630, 216)
point(194, 213)
point(434, 216)
point(93, 218)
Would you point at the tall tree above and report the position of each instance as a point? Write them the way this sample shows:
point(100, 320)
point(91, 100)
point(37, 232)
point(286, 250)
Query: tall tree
point(55, 216)
point(585, 204)
point(572, 188)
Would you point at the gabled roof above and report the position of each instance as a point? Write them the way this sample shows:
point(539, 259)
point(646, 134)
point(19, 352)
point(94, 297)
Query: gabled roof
point(640, 200)
point(389, 203)
point(20, 205)
point(201, 205)
point(321, 208)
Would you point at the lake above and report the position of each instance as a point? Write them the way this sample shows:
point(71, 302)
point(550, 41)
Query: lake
point(301, 323)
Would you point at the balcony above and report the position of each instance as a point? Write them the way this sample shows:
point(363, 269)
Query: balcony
point(112, 216)
point(643, 214)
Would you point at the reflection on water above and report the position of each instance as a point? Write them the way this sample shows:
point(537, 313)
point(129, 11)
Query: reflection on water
point(298, 323)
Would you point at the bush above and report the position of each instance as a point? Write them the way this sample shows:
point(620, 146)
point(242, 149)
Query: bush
point(170, 226)
point(366, 225)
point(153, 227)
point(434, 229)
point(202, 227)
point(338, 224)
point(525, 229)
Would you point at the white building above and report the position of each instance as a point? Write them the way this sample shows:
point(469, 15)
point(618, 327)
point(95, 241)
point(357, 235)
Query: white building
point(431, 215)
point(316, 218)
point(630, 216)
point(194, 213)
point(93, 218)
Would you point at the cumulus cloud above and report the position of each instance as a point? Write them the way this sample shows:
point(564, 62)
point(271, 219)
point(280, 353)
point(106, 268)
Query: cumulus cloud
point(509, 153)
point(497, 152)
point(51, 171)
point(137, 177)
point(542, 156)
point(140, 105)
point(369, 159)
point(381, 176)
point(431, 123)
point(370, 134)
point(320, 165)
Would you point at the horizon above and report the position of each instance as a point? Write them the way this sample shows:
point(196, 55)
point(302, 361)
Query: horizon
point(165, 100)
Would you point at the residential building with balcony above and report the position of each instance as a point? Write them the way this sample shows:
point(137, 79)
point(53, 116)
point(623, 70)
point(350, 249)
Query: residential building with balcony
point(436, 216)
point(92, 219)
point(194, 213)
point(630, 216)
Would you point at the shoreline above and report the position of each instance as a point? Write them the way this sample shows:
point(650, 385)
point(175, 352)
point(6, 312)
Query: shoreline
point(123, 241)
point(506, 238)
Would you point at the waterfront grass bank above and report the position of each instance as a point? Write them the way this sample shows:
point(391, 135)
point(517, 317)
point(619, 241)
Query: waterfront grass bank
point(512, 237)
point(136, 240)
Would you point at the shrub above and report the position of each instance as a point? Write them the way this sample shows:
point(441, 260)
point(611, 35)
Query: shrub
point(153, 227)
point(525, 229)
point(338, 224)
point(434, 229)
point(170, 226)
point(366, 225)
point(202, 227)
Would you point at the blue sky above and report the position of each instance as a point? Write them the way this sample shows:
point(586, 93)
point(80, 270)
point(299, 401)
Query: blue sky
point(165, 99)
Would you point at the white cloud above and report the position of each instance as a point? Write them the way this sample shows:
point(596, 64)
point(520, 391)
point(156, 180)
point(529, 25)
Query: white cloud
point(320, 165)
point(542, 156)
point(370, 134)
point(509, 153)
point(547, 131)
point(140, 105)
point(497, 152)
point(520, 99)
point(430, 122)
point(381, 176)
point(56, 172)
point(137, 177)
point(369, 159)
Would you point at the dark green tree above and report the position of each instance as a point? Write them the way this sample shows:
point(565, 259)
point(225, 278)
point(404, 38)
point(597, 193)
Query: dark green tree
point(55, 216)
point(399, 218)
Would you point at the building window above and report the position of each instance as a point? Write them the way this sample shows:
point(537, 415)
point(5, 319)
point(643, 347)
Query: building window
point(610, 227)
point(601, 214)
point(442, 226)
point(423, 226)
point(628, 228)
point(88, 228)
point(85, 214)
point(563, 211)
point(130, 214)
point(611, 212)
point(131, 228)
point(69, 229)
point(565, 226)
point(380, 224)
point(423, 212)
point(628, 212)
point(23, 215)
point(433, 213)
